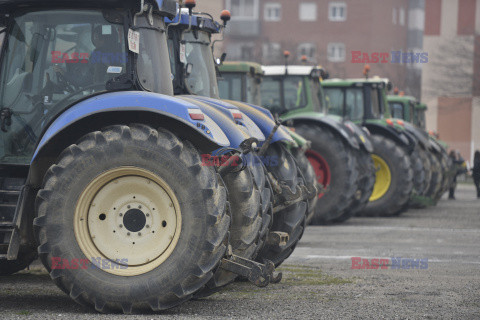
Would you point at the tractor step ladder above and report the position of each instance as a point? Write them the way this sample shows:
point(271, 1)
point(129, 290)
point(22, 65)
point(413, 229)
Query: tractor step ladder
point(10, 199)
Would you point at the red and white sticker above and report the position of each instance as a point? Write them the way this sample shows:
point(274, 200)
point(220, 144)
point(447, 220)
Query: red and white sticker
point(133, 41)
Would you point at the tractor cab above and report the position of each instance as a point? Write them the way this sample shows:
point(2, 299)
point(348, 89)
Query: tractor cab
point(241, 81)
point(291, 89)
point(191, 55)
point(403, 107)
point(54, 57)
point(355, 100)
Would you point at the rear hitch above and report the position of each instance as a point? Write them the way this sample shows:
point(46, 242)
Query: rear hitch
point(259, 274)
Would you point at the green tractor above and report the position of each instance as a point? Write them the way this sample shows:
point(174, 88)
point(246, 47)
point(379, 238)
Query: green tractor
point(439, 176)
point(240, 81)
point(339, 151)
point(364, 102)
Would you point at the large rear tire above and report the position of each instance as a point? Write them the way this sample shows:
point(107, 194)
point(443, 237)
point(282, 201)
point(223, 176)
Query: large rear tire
point(336, 170)
point(292, 219)
point(140, 198)
point(394, 178)
point(311, 180)
point(436, 177)
point(365, 185)
point(249, 196)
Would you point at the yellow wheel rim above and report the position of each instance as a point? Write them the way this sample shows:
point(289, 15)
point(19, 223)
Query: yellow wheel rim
point(383, 178)
point(128, 220)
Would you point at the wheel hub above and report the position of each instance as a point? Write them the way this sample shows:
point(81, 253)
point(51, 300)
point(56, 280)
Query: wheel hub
point(134, 220)
point(322, 169)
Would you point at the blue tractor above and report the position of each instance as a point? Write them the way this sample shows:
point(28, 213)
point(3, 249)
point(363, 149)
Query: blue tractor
point(103, 172)
point(190, 44)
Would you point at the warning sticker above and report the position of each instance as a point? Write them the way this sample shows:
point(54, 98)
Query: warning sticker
point(183, 56)
point(133, 41)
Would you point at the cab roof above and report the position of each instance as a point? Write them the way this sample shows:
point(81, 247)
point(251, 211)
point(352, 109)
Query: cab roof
point(352, 82)
point(292, 70)
point(242, 67)
point(199, 22)
point(395, 98)
point(166, 7)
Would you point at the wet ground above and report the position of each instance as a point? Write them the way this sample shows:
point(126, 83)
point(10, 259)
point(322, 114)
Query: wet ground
point(435, 274)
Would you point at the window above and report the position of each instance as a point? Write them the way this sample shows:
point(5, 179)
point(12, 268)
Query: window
point(394, 15)
point(396, 109)
point(246, 52)
point(307, 49)
point(271, 51)
point(337, 11)
point(401, 17)
point(243, 9)
point(336, 52)
point(308, 11)
point(273, 11)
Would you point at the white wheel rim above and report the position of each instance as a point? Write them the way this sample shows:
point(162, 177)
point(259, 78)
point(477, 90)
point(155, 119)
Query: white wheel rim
point(128, 216)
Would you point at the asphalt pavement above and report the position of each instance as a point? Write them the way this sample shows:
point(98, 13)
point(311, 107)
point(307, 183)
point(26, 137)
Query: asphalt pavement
point(424, 264)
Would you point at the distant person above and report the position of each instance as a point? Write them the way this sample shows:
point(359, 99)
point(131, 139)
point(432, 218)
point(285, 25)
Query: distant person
point(459, 168)
point(476, 172)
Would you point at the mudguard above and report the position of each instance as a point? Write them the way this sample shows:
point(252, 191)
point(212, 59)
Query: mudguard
point(225, 121)
point(265, 121)
point(246, 122)
point(401, 137)
point(362, 136)
point(135, 101)
point(420, 135)
point(325, 121)
point(434, 145)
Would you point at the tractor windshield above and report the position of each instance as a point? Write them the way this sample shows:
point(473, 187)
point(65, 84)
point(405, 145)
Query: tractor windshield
point(420, 118)
point(318, 96)
point(346, 102)
point(396, 108)
point(252, 90)
point(230, 86)
point(201, 77)
point(51, 60)
point(239, 87)
point(280, 94)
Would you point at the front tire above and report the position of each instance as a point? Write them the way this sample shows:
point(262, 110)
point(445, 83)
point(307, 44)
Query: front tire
point(142, 199)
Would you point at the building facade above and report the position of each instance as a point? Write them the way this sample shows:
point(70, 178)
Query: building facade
point(328, 32)
point(451, 78)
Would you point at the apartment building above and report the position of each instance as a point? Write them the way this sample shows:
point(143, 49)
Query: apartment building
point(451, 78)
point(327, 32)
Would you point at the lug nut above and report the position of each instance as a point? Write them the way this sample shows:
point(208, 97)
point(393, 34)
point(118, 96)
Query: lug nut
point(128, 233)
point(139, 234)
point(128, 207)
point(147, 226)
point(121, 214)
point(139, 207)
point(121, 226)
